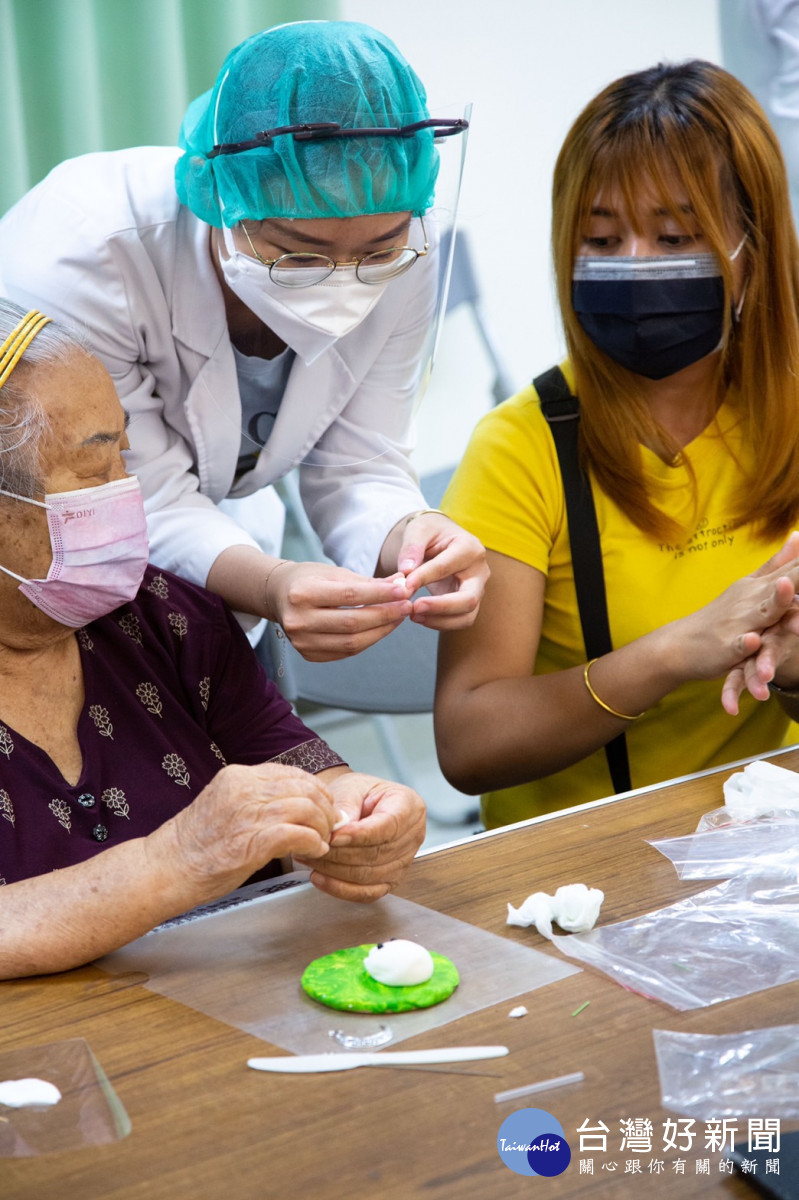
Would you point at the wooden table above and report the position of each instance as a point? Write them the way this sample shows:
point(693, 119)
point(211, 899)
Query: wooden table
point(206, 1128)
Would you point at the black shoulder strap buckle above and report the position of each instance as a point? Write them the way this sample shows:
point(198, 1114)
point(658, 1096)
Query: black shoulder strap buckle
point(557, 402)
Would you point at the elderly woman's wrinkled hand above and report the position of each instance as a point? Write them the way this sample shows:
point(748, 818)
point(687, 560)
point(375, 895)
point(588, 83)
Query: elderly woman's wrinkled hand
point(371, 853)
point(246, 816)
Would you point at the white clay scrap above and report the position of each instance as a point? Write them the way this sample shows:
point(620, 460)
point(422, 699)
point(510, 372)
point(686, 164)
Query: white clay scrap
point(759, 789)
point(574, 907)
point(519, 1011)
point(399, 963)
point(536, 910)
point(22, 1093)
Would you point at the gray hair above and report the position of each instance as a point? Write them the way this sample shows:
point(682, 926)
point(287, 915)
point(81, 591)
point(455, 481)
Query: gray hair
point(23, 419)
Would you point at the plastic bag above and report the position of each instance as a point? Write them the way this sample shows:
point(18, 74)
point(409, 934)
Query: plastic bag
point(719, 818)
point(709, 1076)
point(89, 1112)
point(728, 850)
point(739, 937)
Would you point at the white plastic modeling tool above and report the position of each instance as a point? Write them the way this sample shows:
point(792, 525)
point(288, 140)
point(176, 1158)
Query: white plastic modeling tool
point(308, 1063)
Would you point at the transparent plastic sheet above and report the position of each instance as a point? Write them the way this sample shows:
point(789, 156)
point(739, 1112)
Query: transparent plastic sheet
point(709, 1076)
point(720, 818)
point(739, 937)
point(89, 1112)
point(243, 966)
point(727, 850)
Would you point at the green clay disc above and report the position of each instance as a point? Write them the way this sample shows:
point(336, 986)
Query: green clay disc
point(340, 980)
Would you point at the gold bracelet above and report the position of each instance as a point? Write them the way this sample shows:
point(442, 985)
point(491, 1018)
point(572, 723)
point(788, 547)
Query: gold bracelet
point(614, 712)
point(421, 513)
point(280, 563)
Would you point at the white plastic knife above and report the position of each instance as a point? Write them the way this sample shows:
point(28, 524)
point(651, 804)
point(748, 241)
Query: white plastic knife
point(302, 1063)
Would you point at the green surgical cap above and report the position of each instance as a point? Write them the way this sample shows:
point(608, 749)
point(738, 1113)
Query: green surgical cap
point(306, 72)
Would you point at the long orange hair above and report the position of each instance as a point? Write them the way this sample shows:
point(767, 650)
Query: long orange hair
point(696, 121)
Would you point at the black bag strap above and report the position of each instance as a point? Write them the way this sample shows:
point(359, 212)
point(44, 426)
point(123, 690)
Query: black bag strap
point(562, 411)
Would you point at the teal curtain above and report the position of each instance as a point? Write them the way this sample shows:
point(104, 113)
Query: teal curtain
point(81, 75)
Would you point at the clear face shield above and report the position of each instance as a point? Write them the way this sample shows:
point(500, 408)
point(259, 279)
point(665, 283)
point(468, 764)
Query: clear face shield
point(444, 216)
point(382, 275)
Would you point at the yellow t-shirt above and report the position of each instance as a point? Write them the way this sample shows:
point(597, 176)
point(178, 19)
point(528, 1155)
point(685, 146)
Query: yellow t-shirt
point(508, 492)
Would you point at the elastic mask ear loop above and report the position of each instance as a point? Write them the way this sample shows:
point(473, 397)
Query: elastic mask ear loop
point(25, 500)
point(13, 574)
point(738, 308)
point(738, 248)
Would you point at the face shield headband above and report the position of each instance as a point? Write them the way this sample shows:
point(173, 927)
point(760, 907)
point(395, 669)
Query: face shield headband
point(442, 127)
point(320, 169)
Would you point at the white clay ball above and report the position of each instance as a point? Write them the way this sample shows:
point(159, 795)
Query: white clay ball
point(399, 963)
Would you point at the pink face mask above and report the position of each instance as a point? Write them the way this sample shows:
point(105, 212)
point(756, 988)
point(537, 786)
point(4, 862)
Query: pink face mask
point(100, 550)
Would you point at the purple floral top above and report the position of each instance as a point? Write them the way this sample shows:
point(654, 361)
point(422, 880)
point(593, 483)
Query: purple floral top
point(173, 692)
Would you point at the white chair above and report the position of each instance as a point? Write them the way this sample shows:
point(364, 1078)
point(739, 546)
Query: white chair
point(396, 675)
point(464, 290)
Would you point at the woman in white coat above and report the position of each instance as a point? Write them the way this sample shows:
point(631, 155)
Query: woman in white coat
point(262, 300)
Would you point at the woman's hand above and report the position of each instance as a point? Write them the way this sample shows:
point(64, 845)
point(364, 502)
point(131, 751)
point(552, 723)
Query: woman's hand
point(778, 650)
point(330, 613)
point(244, 817)
point(370, 854)
point(722, 635)
point(436, 553)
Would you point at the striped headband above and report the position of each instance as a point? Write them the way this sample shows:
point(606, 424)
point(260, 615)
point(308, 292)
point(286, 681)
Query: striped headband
point(18, 341)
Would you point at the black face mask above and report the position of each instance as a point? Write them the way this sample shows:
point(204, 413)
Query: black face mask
point(654, 315)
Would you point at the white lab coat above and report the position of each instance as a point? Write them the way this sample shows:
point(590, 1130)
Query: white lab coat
point(104, 244)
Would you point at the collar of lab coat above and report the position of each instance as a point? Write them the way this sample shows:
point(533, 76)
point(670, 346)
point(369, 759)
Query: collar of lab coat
point(198, 305)
point(314, 393)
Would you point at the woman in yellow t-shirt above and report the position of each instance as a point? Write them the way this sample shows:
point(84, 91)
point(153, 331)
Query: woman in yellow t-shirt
point(678, 279)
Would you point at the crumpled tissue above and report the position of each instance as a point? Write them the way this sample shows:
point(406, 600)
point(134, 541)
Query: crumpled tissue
point(759, 790)
point(574, 907)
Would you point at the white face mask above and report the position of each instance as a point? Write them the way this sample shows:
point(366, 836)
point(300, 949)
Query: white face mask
point(308, 319)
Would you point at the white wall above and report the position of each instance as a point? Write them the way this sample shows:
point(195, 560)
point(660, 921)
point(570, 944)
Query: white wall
point(529, 66)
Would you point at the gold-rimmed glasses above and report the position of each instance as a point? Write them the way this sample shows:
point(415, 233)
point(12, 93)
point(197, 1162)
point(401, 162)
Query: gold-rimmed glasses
point(304, 269)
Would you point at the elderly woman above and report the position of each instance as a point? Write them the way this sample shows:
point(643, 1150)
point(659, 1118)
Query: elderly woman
point(263, 298)
point(678, 278)
point(146, 764)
